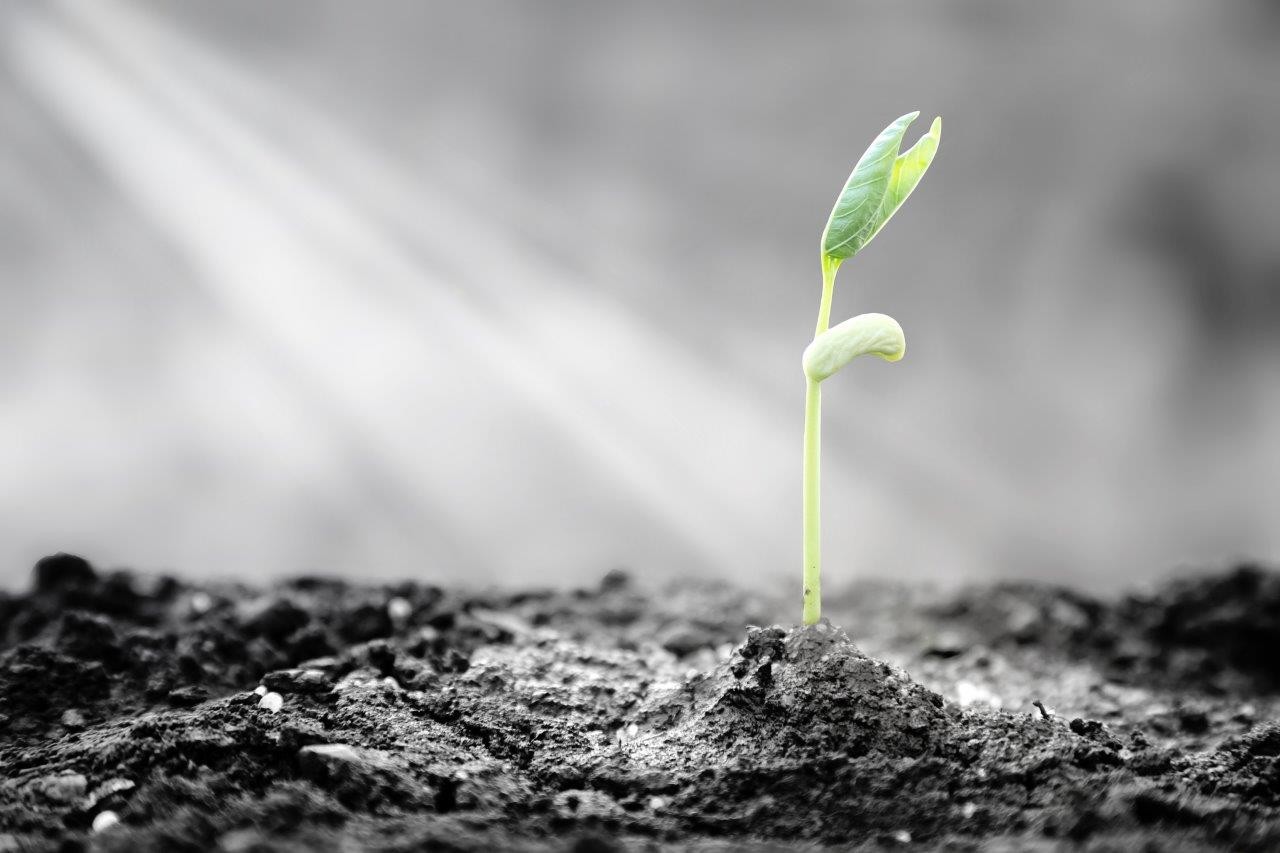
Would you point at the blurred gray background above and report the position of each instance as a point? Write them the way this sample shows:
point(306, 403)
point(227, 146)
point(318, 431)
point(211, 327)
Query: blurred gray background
point(516, 292)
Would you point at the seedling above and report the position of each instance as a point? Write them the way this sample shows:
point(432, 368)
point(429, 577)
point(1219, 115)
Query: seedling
point(880, 183)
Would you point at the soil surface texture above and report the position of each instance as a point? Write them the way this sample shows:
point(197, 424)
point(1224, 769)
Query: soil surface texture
point(144, 713)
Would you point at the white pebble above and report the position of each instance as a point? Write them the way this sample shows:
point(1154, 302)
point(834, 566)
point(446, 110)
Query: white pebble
point(273, 702)
point(902, 836)
point(968, 810)
point(656, 803)
point(260, 690)
point(105, 820)
point(399, 609)
point(201, 603)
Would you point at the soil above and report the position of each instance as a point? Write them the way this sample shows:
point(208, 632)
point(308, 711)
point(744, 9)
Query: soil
point(148, 713)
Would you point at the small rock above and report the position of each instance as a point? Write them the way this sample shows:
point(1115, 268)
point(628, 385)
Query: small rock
point(105, 820)
point(272, 702)
point(657, 803)
point(260, 690)
point(62, 571)
point(200, 603)
point(399, 609)
point(902, 836)
point(66, 788)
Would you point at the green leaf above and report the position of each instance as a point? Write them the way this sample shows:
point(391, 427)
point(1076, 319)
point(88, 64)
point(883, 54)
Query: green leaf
point(880, 183)
point(908, 169)
point(867, 334)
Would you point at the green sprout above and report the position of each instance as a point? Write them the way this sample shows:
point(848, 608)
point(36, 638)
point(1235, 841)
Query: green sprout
point(880, 183)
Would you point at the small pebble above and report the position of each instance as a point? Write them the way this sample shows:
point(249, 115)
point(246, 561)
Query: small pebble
point(656, 803)
point(105, 820)
point(260, 690)
point(968, 810)
point(399, 609)
point(73, 718)
point(273, 702)
point(902, 836)
point(201, 603)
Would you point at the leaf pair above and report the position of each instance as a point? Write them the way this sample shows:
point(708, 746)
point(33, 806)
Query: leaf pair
point(880, 183)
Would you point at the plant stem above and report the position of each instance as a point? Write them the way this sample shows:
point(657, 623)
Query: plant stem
point(812, 497)
point(812, 463)
point(829, 267)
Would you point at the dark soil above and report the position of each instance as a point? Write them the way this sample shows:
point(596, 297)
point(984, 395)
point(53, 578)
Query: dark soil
point(411, 717)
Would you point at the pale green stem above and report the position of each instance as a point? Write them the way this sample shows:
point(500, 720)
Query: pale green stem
point(812, 497)
point(812, 463)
